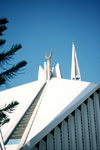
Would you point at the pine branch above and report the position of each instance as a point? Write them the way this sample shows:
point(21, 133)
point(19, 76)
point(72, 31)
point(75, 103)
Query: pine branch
point(5, 57)
point(2, 115)
point(2, 80)
point(3, 121)
point(14, 48)
point(3, 21)
point(9, 108)
point(3, 118)
point(2, 28)
point(2, 42)
point(10, 73)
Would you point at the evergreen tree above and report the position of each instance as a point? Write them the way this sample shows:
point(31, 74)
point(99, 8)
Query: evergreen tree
point(10, 73)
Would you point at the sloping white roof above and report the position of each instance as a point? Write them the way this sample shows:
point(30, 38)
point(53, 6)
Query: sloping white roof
point(24, 94)
point(60, 99)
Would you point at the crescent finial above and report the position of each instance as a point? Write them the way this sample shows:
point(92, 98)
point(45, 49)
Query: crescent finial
point(48, 58)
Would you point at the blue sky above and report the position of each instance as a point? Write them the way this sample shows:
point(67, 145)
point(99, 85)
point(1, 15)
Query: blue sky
point(40, 25)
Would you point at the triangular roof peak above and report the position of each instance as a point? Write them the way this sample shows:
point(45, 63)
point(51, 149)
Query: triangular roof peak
point(75, 71)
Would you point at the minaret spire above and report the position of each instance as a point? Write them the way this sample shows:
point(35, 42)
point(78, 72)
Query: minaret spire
point(49, 69)
point(75, 72)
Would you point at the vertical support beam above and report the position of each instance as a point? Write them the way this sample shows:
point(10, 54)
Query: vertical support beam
point(64, 131)
point(91, 124)
point(45, 71)
point(42, 145)
point(50, 145)
point(58, 71)
point(71, 126)
point(2, 146)
point(97, 117)
point(57, 138)
point(78, 129)
point(49, 72)
point(85, 126)
point(34, 148)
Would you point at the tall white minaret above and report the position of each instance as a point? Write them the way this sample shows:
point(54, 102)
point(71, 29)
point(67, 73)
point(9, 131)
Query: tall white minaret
point(75, 72)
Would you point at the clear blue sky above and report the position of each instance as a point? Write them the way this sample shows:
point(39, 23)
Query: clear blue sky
point(43, 24)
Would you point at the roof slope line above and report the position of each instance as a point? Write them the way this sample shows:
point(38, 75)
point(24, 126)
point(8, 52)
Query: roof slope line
point(17, 131)
point(28, 128)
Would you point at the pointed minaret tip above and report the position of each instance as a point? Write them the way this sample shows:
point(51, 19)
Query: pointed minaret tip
point(75, 72)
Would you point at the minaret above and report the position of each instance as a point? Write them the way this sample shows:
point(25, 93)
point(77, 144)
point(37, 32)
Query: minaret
point(75, 72)
point(49, 70)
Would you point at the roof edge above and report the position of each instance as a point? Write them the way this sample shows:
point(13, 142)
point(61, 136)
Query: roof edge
point(61, 116)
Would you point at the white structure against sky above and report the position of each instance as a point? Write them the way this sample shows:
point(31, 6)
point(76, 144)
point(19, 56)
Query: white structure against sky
point(75, 71)
point(48, 72)
point(54, 113)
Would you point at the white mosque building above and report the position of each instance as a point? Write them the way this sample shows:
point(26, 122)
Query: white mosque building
point(53, 113)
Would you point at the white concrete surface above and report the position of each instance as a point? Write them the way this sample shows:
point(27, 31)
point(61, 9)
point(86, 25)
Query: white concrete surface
point(75, 71)
point(59, 95)
point(24, 94)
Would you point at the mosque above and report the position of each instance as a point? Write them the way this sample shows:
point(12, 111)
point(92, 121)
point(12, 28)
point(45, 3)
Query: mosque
point(53, 113)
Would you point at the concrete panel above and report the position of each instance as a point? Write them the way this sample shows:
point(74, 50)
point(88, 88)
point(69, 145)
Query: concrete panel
point(42, 145)
point(50, 145)
point(57, 138)
point(71, 126)
point(85, 126)
point(78, 129)
point(96, 101)
point(64, 131)
point(91, 124)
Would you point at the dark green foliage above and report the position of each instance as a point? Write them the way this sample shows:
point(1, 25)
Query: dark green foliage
point(2, 42)
point(7, 109)
point(3, 21)
point(8, 73)
point(10, 107)
point(2, 80)
point(2, 28)
point(6, 56)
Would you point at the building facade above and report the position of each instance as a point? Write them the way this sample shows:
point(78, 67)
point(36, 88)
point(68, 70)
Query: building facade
point(54, 113)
